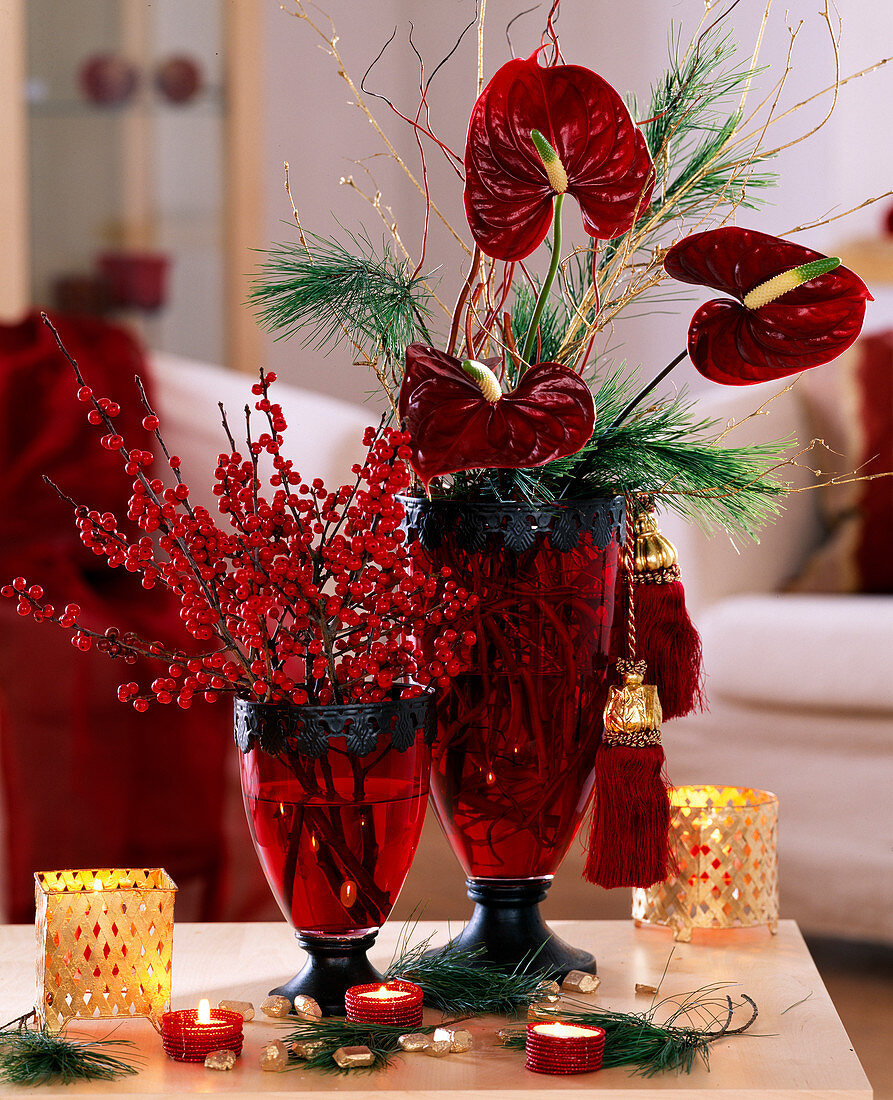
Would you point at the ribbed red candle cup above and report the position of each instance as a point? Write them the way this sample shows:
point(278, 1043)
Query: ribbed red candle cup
point(186, 1040)
point(559, 1048)
point(395, 1002)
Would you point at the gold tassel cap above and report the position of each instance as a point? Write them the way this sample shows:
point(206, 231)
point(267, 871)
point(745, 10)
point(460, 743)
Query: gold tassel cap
point(654, 552)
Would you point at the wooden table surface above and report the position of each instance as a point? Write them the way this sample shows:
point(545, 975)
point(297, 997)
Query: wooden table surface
point(799, 1051)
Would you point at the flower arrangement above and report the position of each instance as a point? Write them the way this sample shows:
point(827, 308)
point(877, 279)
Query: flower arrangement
point(514, 399)
point(308, 595)
point(509, 396)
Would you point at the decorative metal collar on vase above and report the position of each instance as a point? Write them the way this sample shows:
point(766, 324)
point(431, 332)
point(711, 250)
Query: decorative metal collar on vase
point(276, 727)
point(516, 524)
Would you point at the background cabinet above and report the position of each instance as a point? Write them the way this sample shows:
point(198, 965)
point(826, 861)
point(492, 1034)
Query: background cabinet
point(142, 176)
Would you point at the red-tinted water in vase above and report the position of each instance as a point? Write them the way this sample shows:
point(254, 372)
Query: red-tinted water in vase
point(514, 759)
point(336, 836)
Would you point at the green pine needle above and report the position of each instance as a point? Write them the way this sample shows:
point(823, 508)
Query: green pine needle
point(693, 116)
point(691, 124)
point(332, 294)
point(635, 1039)
point(38, 1058)
point(332, 1033)
point(453, 983)
point(664, 449)
point(553, 323)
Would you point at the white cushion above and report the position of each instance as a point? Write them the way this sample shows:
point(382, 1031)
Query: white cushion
point(324, 435)
point(793, 651)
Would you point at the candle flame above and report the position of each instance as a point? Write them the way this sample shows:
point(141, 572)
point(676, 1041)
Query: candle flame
point(566, 1031)
point(204, 1011)
point(385, 994)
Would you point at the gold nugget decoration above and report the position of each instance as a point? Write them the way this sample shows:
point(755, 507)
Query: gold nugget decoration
point(724, 840)
point(104, 944)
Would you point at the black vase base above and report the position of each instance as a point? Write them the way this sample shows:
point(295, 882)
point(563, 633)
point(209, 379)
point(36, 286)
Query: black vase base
point(335, 964)
point(507, 930)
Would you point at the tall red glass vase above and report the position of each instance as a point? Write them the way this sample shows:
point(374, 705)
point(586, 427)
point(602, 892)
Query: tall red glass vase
point(335, 798)
point(513, 765)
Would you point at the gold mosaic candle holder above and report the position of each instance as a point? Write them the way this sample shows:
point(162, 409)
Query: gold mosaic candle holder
point(725, 843)
point(104, 944)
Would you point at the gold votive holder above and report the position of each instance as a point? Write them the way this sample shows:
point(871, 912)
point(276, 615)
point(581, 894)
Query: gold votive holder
point(104, 944)
point(724, 840)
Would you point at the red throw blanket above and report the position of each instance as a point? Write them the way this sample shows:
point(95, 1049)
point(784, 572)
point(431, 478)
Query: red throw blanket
point(875, 381)
point(88, 782)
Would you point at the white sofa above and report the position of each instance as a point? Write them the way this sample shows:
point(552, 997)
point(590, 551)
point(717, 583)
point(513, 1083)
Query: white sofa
point(800, 688)
point(324, 439)
point(800, 692)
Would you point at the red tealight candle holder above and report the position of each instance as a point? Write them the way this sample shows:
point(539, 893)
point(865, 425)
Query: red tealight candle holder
point(564, 1048)
point(395, 1002)
point(187, 1039)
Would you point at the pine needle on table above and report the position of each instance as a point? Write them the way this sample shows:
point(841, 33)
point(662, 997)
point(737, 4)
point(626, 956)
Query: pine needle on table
point(38, 1058)
point(453, 983)
point(333, 1033)
point(635, 1039)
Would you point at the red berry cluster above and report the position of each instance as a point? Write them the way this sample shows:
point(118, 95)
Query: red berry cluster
point(309, 595)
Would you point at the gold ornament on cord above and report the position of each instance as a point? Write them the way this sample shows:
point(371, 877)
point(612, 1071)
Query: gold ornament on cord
point(725, 843)
point(632, 713)
point(104, 944)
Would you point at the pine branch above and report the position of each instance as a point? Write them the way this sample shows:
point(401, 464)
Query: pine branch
point(332, 293)
point(453, 984)
point(38, 1058)
point(702, 169)
point(666, 451)
point(690, 122)
point(634, 1039)
point(332, 1033)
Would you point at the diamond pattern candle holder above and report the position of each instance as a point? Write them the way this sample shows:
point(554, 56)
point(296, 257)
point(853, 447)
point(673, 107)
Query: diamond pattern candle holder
point(104, 944)
point(725, 843)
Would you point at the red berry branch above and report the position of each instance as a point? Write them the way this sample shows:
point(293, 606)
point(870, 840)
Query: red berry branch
point(305, 595)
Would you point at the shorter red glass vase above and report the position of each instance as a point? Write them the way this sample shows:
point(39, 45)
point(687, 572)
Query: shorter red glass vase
point(335, 798)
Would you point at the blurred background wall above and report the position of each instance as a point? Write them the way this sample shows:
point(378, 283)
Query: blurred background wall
point(196, 176)
point(136, 132)
point(309, 123)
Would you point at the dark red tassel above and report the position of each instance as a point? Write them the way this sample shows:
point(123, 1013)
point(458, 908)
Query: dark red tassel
point(629, 842)
point(667, 640)
point(630, 818)
point(669, 643)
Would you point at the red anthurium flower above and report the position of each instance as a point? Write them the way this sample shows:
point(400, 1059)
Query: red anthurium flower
point(459, 419)
point(794, 308)
point(594, 151)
